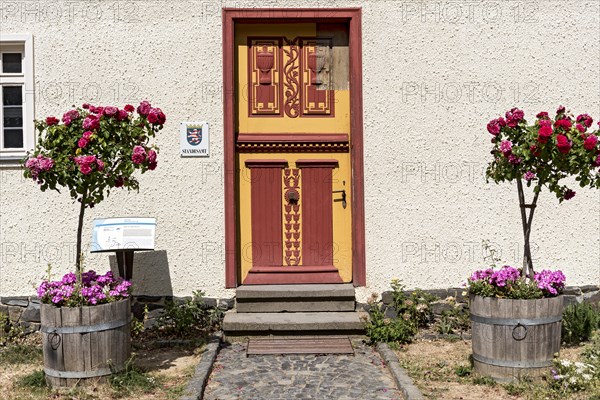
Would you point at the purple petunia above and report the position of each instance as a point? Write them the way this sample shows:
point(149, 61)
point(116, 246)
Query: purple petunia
point(94, 289)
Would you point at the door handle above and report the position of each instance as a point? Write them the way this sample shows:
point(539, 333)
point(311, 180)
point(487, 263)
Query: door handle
point(343, 199)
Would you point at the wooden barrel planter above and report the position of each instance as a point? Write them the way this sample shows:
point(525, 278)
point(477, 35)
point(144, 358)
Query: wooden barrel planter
point(514, 338)
point(83, 344)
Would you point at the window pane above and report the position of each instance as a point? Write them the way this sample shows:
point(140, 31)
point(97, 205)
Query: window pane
point(12, 96)
point(11, 63)
point(13, 138)
point(13, 117)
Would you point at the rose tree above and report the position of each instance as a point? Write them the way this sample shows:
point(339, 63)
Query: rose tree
point(543, 154)
point(93, 150)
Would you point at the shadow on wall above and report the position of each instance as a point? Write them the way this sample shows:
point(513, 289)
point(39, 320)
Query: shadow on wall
point(151, 276)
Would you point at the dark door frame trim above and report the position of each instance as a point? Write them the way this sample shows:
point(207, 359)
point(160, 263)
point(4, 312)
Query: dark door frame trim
point(353, 16)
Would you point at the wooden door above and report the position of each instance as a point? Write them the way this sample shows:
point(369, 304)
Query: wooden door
point(294, 172)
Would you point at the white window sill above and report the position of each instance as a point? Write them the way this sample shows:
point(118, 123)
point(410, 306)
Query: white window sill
point(11, 161)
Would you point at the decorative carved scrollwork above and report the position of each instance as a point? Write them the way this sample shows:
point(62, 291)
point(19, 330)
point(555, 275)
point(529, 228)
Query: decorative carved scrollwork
point(291, 71)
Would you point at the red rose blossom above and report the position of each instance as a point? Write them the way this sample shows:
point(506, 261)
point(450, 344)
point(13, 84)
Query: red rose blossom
point(590, 142)
point(563, 123)
point(563, 144)
point(52, 121)
point(129, 108)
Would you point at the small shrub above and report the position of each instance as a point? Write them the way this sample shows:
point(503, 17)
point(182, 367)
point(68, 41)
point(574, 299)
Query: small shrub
point(456, 319)
point(415, 307)
point(190, 316)
point(388, 330)
point(137, 326)
point(579, 322)
point(9, 331)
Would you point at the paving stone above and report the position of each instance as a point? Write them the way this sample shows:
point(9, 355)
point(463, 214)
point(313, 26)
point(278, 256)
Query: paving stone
point(362, 376)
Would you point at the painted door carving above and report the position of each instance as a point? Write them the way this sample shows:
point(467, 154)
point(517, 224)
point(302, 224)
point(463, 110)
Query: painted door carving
point(292, 149)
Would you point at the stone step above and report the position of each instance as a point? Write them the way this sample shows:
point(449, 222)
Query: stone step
point(298, 323)
point(295, 298)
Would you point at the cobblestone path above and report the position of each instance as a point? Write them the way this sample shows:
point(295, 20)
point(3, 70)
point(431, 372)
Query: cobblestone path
point(319, 377)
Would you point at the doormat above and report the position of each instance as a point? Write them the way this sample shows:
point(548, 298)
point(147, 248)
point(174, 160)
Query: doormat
point(300, 345)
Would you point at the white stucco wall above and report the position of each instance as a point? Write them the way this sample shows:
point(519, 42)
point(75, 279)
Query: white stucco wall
point(434, 73)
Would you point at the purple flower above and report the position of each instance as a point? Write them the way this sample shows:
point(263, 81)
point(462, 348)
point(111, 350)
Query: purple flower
point(505, 276)
point(94, 289)
point(550, 282)
point(482, 275)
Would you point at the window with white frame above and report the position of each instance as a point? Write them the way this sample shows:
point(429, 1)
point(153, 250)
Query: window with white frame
point(17, 132)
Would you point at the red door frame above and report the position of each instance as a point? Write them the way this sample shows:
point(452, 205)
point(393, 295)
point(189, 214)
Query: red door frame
point(231, 16)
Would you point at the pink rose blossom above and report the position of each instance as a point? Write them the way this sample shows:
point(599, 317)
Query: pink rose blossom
point(110, 111)
point(506, 147)
point(69, 116)
point(100, 165)
point(144, 108)
point(513, 117)
point(88, 135)
point(156, 116)
point(494, 126)
point(529, 176)
point(91, 122)
point(85, 169)
point(139, 155)
point(152, 156)
point(542, 115)
point(597, 162)
point(514, 160)
point(580, 128)
point(39, 164)
point(81, 143)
